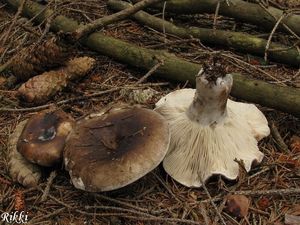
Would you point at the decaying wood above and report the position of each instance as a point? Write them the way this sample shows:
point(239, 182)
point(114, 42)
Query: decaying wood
point(239, 41)
point(89, 28)
point(240, 10)
point(285, 99)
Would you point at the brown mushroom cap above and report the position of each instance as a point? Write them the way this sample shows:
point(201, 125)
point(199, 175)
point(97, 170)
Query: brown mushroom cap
point(110, 150)
point(43, 138)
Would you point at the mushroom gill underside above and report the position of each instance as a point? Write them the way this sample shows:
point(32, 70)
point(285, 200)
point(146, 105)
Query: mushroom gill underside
point(199, 151)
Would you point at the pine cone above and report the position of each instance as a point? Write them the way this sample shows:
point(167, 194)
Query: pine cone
point(40, 89)
point(36, 59)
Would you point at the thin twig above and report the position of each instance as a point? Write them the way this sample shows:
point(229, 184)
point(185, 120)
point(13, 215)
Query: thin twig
point(20, 9)
point(163, 17)
point(176, 42)
point(166, 187)
point(54, 213)
point(104, 21)
point(150, 72)
point(204, 214)
point(48, 186)
point(96, 94)
point(60, 102)
point(271, 35)
point(216, 15)
point(290, 191)
point(121, 203)
point(212, 202)
point(283, 23)
point(278, 139)
point(154, 218)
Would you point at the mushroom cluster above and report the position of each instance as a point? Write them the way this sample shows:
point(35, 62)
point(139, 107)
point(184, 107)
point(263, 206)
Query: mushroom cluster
point(195, 132)
point(38, 141)
point(209, 131)
point(102, 152)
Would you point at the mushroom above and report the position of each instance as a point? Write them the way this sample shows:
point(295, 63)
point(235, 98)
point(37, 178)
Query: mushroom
point(43, 138)
point(116, 147)
point(20, 169)
point(209, 131)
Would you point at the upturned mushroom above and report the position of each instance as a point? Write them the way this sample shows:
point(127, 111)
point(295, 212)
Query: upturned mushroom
point(43, 139)
point(209, 131)
point(109, 150)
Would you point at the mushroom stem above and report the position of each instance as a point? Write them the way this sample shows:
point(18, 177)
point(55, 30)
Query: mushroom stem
point(210, 100)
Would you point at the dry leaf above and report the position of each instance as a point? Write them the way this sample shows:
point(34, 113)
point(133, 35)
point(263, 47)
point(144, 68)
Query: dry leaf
point(237, 205)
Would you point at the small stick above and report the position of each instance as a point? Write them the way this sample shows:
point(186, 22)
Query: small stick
point(20, 9)
point(163, 17)
point(150, 72)
point(216, 16)
point(203, 212)
point(166, 187)
point(152, 218)
point(212, 202)
point(176, 42)
point(290, 191)
point(49, 183)
point(60, 102)
point(271, 35)
point(278, 139)
point(96, 94)
point(89, 28)
point(119, 209)
point(54, 213)
point(121, 203)
point(284, 24)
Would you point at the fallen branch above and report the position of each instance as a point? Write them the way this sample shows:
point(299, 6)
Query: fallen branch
point(286, 99)
point(91, 27)
point(289, 191)
point(238, 9)
point(236, 40)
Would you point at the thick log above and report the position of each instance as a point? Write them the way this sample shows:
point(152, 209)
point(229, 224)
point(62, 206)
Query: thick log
point(236, 40)
point(240, 10)
point(285, 99)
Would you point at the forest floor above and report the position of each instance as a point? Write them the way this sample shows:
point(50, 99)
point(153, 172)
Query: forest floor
point(156, 198)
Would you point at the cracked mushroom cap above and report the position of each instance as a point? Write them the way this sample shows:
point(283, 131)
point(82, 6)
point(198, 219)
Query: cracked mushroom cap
point(112, 149)
point(43, 138)
point(209, 131)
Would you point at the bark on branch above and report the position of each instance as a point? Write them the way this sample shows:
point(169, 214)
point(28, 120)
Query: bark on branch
point(236, 40)
point(241, 10)
point(90, 27)
point(282, 98)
